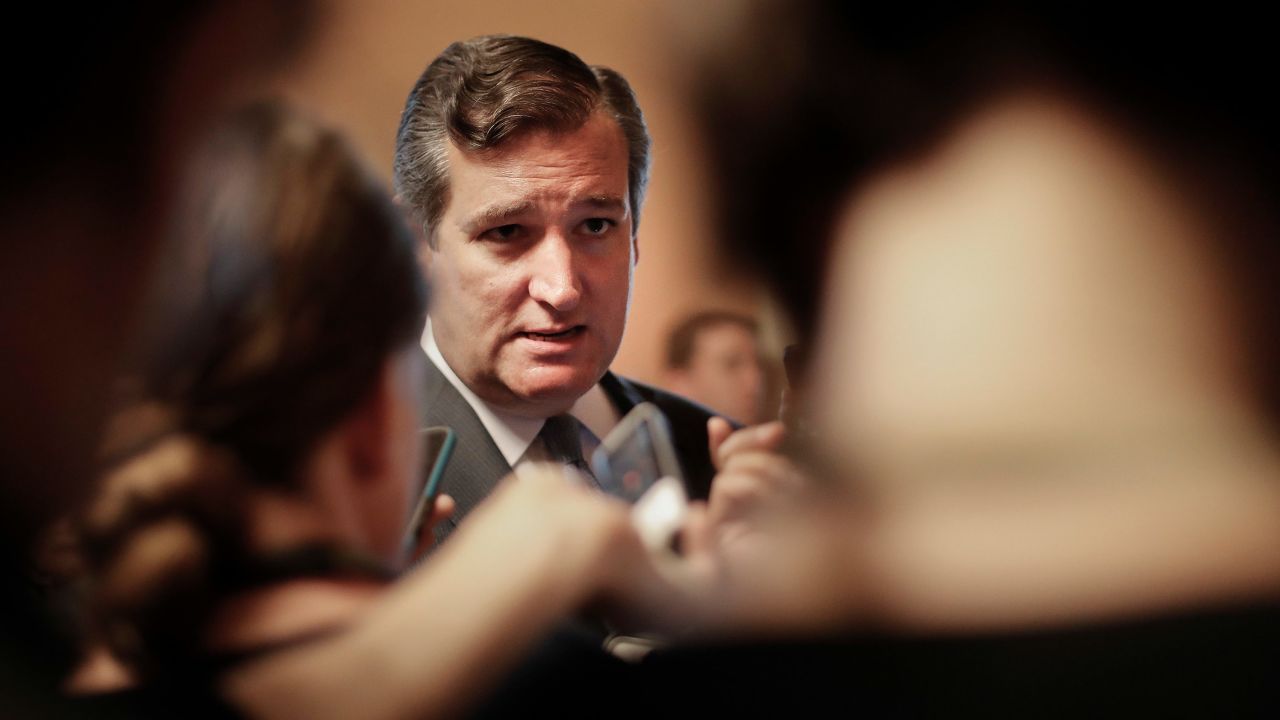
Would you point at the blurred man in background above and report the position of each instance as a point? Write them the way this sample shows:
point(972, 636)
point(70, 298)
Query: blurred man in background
point(714, 358)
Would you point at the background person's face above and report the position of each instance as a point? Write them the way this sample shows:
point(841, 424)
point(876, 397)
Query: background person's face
point(531, 269)
point(725, 372)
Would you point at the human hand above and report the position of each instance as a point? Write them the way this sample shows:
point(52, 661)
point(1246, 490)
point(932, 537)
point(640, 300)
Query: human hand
point(441, 510)
point(753, 476)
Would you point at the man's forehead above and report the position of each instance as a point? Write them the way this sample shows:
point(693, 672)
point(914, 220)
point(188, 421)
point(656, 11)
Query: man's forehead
point(583, 167)
point(599, 138)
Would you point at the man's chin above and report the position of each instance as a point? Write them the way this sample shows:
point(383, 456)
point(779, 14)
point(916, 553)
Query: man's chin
point(552, 393)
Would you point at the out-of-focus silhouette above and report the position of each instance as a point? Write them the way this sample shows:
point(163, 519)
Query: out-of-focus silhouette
point(1032, 252)
point(104, 110)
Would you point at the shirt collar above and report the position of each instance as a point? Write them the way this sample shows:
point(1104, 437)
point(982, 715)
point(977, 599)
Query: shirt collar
point(514, 434)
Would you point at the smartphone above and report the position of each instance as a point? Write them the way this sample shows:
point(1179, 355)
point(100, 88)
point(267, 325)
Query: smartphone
point(636, 454)
point(437, 448)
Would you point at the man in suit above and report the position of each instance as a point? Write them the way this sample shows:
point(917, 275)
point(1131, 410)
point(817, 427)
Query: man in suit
point(525, 169)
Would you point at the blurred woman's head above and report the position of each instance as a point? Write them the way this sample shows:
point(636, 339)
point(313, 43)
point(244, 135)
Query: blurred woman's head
point(281, 405)
point(1011, 232)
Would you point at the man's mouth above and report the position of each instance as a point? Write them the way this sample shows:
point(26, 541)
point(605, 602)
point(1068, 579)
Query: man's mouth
point(550, 334)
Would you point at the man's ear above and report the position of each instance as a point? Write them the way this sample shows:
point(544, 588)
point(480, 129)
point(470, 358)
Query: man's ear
point(635, 248)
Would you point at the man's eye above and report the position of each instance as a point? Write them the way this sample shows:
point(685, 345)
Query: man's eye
point(501, 233)
point(597, 226)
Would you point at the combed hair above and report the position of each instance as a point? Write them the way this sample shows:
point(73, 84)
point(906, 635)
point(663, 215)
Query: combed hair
point(481, 92)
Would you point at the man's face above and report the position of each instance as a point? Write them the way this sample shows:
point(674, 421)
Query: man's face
point(531, 268)
point(725, 373)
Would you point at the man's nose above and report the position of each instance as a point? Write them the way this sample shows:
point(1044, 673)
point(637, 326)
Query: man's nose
point(554, 279)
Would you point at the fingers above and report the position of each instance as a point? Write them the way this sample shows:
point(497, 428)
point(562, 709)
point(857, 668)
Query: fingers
point(718, 430)
point(770, 470)
point(441, 509)
point(750, 482)
point(764, 438)
point(697, 538)
point(733, 495)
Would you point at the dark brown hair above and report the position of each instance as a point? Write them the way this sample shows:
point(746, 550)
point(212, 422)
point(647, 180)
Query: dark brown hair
point(302, 281)
point(481, 92)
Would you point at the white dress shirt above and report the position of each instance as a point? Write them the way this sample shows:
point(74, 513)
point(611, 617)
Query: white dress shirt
point(514, 435)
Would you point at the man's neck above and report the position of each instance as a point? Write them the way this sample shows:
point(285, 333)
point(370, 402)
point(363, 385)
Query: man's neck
point(513, 433)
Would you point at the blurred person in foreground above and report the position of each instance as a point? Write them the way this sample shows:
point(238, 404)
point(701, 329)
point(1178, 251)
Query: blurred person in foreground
point(1034, 255)
point(713, 358)
point(82, 218)
point(264, 517)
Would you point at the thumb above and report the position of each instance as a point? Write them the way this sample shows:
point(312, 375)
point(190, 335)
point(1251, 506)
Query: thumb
point(441, 510)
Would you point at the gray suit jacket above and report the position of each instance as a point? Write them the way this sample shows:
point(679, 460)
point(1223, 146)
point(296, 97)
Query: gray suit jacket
point(477, 465)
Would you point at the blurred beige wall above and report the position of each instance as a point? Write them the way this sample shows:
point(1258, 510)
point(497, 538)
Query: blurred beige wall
point(366, 55)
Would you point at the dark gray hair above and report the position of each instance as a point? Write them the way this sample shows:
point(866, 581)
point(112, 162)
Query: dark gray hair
point(481, 92)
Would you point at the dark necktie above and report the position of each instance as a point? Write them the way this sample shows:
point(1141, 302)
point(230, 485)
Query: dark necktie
point(562, 436)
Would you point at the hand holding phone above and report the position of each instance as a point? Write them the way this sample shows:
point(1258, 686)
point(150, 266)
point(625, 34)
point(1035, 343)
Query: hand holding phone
point(437, 447)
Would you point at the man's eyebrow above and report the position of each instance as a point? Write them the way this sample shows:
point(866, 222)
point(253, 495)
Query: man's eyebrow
point(608, 203)
point(496, 214)
point(501, 213)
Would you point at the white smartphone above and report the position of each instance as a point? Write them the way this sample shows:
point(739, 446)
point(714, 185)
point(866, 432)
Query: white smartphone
point(636, 454)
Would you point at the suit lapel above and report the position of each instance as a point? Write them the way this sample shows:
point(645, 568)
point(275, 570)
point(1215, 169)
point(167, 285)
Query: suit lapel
point(621, 393)
point(688, 433)
point(477, 464)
